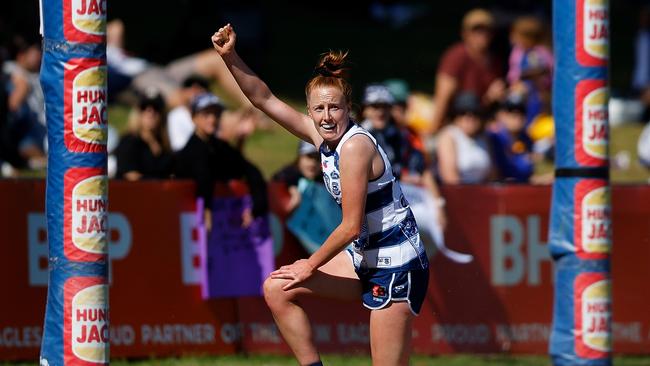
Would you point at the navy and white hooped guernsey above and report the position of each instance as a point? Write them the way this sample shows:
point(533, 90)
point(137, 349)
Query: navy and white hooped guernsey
point(389, 240)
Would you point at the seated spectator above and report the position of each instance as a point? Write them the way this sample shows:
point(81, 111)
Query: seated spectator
point(144, 153)
point(462, 149)
point(179, 120)
point(377, 106)
point(530, 66)
point(126, 71)
point(468, 67)
point(306, 166)
point(25, 126)
point(207, 160)
point(511, 146)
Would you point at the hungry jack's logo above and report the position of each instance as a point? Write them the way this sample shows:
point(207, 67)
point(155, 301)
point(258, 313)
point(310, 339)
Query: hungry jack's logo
point(592, 32)
point(593, 223)
point(85, 214)
point(591, 122)
point(85, 114)
point(84, 20)
point(86, 321)
point(593, 315)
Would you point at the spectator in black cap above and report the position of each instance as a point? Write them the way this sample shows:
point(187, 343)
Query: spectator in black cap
point(207, 160)
point(511, 146)
point(144, 152)
point(462, 149)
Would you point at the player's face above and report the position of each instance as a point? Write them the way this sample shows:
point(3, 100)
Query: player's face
point(329, 110)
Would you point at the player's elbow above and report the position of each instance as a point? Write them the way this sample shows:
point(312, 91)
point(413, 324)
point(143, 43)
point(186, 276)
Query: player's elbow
point(351, 231)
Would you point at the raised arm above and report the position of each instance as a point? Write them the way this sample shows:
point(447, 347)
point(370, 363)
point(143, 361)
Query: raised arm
point(259, 93)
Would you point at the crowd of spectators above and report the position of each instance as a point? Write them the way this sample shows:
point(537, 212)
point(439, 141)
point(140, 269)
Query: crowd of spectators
point(491, 119)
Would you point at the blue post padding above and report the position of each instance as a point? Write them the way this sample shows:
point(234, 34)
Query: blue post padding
point(568, 73)
point(55, 56)
point(52, 19)
point(60, 271)
point(570, 272)
point(580, 223)
point(73, 79)
point(581, 218)
point(562, 219)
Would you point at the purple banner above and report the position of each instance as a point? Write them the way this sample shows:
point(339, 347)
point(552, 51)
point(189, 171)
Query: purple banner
point(238, 258)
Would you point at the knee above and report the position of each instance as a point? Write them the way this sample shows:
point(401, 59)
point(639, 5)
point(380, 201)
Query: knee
point(274, 295)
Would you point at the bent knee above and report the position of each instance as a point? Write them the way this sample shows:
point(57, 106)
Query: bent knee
point(273, 293)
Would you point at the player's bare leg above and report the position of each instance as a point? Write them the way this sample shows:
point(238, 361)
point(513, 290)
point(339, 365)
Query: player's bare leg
point(336, 279)
point(390, 334)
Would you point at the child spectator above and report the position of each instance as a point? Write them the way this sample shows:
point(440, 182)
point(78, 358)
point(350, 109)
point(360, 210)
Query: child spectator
point(511, 146)
point(306, 166)
point(530, 66)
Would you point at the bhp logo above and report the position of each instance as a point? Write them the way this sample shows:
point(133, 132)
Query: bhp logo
point(119, 244)
point(120, 234)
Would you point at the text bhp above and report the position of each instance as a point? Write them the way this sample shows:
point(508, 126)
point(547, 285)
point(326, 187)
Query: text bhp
point(516, 250)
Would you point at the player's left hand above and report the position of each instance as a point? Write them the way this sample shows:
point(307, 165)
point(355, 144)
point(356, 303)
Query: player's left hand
point(296, 273)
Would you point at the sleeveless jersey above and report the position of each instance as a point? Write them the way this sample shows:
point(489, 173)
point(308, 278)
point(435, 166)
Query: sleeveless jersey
point(389, 238)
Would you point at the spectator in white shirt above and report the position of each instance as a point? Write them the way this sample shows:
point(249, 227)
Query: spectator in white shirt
point(179, 120)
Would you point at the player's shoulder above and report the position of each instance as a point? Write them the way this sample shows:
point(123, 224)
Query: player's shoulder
point(359, 144)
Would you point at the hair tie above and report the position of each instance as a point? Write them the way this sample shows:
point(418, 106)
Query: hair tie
point(324, 71)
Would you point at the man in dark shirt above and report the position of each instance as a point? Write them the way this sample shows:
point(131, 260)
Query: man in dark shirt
point(207, 160)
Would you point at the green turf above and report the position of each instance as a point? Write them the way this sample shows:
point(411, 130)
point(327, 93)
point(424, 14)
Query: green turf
point(271, 150)
point(624, 141)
